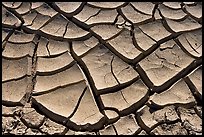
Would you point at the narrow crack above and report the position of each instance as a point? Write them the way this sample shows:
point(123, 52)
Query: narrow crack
point(192, 46)
point(117, 79)
point(50, 20)
point(165, 24)
point(33, 20)
point(29, 93)
point(4, 42)
point(114, 128)
point(142, 124)
point(116, 19)
point(135, 42)
point(47, 47)
point(93, 15)
point(147, 34)
point(78, 103)
point(66, 27)
point(113, 72)
point(16, 15)
point(89, 78)
point(184, 50)
point(194, 90)
point(154, 10)
point(193, 65)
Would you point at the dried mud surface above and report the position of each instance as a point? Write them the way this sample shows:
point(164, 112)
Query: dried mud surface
point(102, 68)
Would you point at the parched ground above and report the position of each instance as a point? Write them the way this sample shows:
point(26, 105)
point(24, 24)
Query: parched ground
point(101, 68)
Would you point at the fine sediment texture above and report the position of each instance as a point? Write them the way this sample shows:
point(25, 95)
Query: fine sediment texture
point(101, 68)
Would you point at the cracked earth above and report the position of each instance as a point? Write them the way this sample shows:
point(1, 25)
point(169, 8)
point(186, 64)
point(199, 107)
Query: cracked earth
point(101, 68)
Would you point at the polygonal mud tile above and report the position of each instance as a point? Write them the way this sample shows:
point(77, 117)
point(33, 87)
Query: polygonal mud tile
point(35, 5)
point(155, 30)
point(86, 13)
point(24, 8)
point(9, 19)
point(184, 25)
point(98, 62)
point(106, 31)
point(134, 16)
point(170, 13)
point(17, 68)
point(5, 33)
point(56, 27)
point(84, 114)
point(103, 16)
point(115, 100)
point(172, 95)
point(68, 8)
point(165, 62)
point(122, 71)
point(124, 45)
point(108, 130)
point(104, 5)
point(81, 47)
point(57, 47)
point(192, 42)
point(14, 90)
point(18, 50)
point(73, 31)
point(28, 18)
point(69, 76)
point(144, 7)
point(157, 15)
point(173, 5)
point(143, 40)
point(21, 37)
point(45, 9)
point(146, 116)
point(53, 63)
point(126, 125)
point(126, 97)
point(13, 5)
point(62, 101)
point(196, 11)
point(111, 114)
point(38, 21)
point(196, 78)
point(42, 47)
